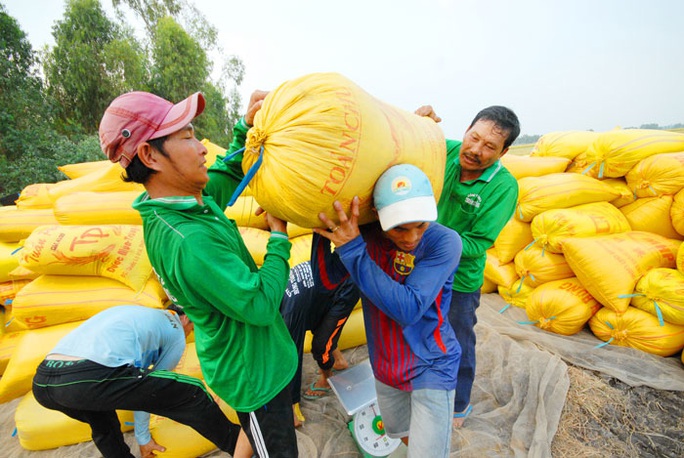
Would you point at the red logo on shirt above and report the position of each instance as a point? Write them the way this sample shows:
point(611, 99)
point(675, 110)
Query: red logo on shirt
point(403, 263)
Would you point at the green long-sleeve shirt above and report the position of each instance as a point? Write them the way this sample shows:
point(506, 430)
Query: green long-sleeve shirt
point(246, 353)
point(477, 210)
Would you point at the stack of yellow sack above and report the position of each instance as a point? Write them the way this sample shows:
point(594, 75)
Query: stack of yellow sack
point(598, 242)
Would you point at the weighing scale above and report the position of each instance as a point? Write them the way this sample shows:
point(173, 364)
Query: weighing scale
point(355, 388)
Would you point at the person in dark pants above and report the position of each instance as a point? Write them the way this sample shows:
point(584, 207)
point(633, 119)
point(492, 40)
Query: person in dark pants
point(312, 303)
point(120, 359)
point(478, 199)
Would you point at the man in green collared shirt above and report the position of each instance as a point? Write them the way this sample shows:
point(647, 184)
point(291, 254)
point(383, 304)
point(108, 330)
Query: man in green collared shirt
point(478, 199)
point(245, 350)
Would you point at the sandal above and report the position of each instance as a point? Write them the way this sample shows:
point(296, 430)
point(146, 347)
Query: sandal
point(315, 389)
point(465, 413)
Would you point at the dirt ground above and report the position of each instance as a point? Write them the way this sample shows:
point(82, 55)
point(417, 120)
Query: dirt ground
point(604, 417)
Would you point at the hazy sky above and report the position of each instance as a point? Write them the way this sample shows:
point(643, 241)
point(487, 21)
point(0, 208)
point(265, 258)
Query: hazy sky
point(560, 65)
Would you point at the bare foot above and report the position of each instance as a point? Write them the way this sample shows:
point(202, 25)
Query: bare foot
point(340, 361)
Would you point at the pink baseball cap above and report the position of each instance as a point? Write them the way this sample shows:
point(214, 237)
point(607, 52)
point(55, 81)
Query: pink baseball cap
point(137, 117)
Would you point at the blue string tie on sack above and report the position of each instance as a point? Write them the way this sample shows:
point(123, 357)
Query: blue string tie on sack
point(248, 176)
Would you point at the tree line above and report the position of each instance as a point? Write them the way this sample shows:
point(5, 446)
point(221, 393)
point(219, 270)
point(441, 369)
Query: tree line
point(52, 99)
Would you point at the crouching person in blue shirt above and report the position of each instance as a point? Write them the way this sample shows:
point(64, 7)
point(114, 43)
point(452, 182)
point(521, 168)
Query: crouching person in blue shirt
point(120, 359)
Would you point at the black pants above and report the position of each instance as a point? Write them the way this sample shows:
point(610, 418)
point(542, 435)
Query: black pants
point(90, 392)
point(270, 428)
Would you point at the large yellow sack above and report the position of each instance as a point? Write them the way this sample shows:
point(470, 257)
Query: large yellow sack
point(561, 306)
point(97, 208)
point(677, 212)
point(635, 328)
point(567, 144)
point(8, 342)
point(488, 286)
point(660, 292)
point(533, 166)
point(615, 152)
point(17, 224)
point(80, 169)
point(9, 259)
point(609, 266)
point(9, 290)
point(326, 139)
point(680, 259)
point(652, 214)
point(35, 196)
point(499, 273)
point(112, 251)
point(53, 299)
point(32, 348)
point(301, 249)
point(242, 212)
point(551, 227)
point(559, 190)
point(657, 175)
point(40, 428)
point(627, 196)
point(536, 266)
point(517, 294)
point(106, 179)
point(514, 236)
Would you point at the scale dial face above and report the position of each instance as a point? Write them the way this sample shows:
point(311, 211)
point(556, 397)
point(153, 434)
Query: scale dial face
point(370, 433)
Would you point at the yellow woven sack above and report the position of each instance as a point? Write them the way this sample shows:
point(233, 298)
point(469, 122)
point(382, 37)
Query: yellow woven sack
point(652, 214)
point(627, 196)
point(40, 428)
point(255, 241)
point(82, 168)
point(609, 266)
point(301, 249)
point(9, 259)
point(106, 179)
point(8, 342)
point(533, 166)
point(9, 289)
point(29, 352)
point(561, 306)
point(551, 227)
point(567, 144)
point(35, 196)
point(517, 294)
point(325, 139)
point(97, 208)
point(635, 328)
point(502, 274)
point(660, 292)
point(677, 212)
point(17, 224)
point(615, 152)
point(536, 266)
point(242, 212)
point(680, 258)
point(559, 190)
point(515, 236)
point(295, 231)
point(112, 251)
point(53, 299)
point(488, 286)
point(657, 175)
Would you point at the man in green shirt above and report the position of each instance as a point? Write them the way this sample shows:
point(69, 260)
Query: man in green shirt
point(478, 199)
point(246, 353)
